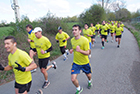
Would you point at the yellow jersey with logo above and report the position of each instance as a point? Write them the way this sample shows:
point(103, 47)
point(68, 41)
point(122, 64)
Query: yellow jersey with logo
point(22, 58)
point(78, 57)
point(92, 29)
point(44, 44)
point(31, 37)
point(112, 28)
point(103, 29)
point(97, 26)
point(87, 32)
point(118, 31)
point(61, 37)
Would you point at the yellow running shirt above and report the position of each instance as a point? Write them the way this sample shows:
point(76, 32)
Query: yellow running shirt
point(22, 58)
point(112, 28)
point(97, 26)
point(79, 58)
point(61, 37)
point(31, 37)
point(44, 44)
point(87, 32)
point(92, 29)
point(103, 28)
point(118, 31)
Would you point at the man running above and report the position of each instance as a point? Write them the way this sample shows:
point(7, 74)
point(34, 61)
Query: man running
point(98, 29)
point(103, 33)
point(112, 30)
point(61, 38)
point(21, 63)
point(87, 33)
point(30, 39)
point(118, 32)
point(80, 47)
point(92, 28)
point(43, 48)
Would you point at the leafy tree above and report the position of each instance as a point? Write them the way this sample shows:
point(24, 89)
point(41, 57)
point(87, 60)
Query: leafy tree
point(93, 15)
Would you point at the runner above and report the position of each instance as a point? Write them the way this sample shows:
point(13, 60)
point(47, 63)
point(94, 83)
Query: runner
point(21, 63)
point(43, 48)
point(112, 31)
point(30, 39)
point(121, 25)
point(61, 38)
point(118, 32)
point(88, 33)
point(103, 33)
point(80, 47)
point(98, 29)
point(92, 28)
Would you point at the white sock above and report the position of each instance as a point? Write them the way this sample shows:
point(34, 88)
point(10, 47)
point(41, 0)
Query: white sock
point(78, 88)
point(90, 80)
point(46, 80)
point(64, 55)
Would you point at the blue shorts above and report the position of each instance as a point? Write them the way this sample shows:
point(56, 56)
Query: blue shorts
point(76, 68)
point(90, 45)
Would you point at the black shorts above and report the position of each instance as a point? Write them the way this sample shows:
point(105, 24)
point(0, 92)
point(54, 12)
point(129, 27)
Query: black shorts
point(93, 37)
point(119, 36)
point(44, 62)
point(62, 49)
point(23, 87)
point(34, 49)
point(104, 36)
point(96, 30)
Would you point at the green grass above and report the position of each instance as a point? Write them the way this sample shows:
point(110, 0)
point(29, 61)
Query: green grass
point(70, 24)
point(5, 31)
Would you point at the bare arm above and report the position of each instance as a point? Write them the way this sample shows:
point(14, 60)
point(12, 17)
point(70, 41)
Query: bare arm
point(82, 51)
point(31, 66)
point(8, 68)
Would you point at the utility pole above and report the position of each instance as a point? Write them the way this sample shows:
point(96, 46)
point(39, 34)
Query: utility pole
point(15, 7)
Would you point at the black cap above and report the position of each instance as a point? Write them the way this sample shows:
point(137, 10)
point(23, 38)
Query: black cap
point(59, 28)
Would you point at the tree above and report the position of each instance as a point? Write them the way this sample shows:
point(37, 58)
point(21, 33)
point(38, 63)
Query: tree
point(112, 4)
point(123, 14)
point(93, 15)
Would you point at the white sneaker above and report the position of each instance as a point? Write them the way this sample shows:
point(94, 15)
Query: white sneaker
point(92, 45)
point(112, 41)
point(34, 70)
point(89, 56)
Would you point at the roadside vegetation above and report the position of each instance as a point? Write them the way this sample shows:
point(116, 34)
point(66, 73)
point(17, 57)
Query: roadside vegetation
point(49, 24)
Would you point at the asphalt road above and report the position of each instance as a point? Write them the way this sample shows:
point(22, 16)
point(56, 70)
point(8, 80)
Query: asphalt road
point(115, 71)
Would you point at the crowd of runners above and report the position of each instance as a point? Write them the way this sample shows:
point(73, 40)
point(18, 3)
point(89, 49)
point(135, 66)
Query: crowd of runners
point(82, 42)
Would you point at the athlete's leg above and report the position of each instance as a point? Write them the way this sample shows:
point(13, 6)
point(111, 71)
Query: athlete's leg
point(74, 80)
point(119, 41)
point(88, 76)
point(44, 72)
point(16, 90)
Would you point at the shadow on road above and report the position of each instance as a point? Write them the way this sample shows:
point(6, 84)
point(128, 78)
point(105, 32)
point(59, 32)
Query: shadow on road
point(135, 76)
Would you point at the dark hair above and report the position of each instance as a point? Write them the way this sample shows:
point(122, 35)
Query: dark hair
point(76, 25)
point(86, 24)
point(13, 39)
point(30, 26)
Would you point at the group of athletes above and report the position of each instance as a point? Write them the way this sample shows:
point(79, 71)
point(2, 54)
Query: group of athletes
point(23, 64)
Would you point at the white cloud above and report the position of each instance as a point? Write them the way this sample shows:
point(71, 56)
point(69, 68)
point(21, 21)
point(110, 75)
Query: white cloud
point(84, 5)
point(133, 7)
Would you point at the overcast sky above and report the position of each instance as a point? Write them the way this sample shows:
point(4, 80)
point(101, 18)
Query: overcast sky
point(35, 9)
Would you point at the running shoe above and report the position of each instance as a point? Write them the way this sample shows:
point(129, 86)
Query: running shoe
point(34, 70)
point(79, 91)
point(112, 41)
point(46, 84)
point(65, 58)
point(92, 45)
point(103, 47)
point(89, 56)
point(55, 66)
point(118, 46)
point(89, 85)
point(39, 92)
point(107, 41)
point(98, 35)
point(67, 53)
